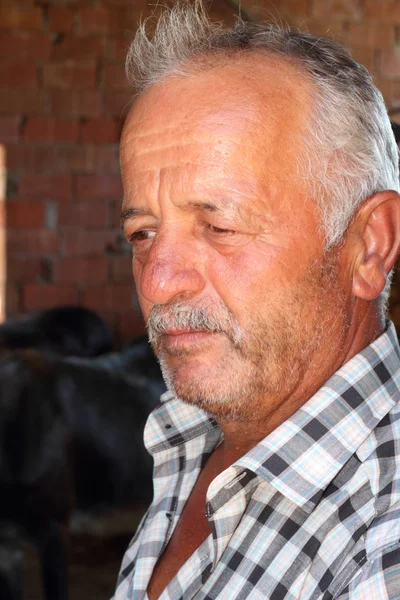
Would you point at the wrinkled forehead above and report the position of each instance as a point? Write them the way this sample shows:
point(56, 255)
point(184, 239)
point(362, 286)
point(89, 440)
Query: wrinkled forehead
point(247, 95)
point(236, 120)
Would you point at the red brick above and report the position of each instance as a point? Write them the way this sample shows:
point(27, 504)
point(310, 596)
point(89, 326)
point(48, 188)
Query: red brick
point(394, 315)
point(50, 129)
point(94, 215)
point(2, 219)
point(61, 19)
point(78, 48)
point(20, 17)
point(18, 73)
point(30, 101)
point(81, 270)
point(84, 243)
point(386, 87)
point(36, 296)
point(75, 103)
point(141, 6)
point(394, 299)
point(29, 158)
point(294, 8)
point(9, 129)
point(99, 131)
point(114, 76)
point(395, 103)
point(13, 299)
point(326, 27)
point(94, 20)
point(25, 214)
point(90, 187)
point(63, 159)
point(46, 187)
point(352, 9)
point(92, 158)
point(121, 269)
point(123, 20)
point(66, 75)
point(382, 10)
point(116, 213)
point(25, 270)
point(118, 48)
point(371, 35)
point(23, 45)
point(130, 324)
point(112, 296)
point(50, 158)
point(117, 103)
point(390, 62)
point(105, 159)
point(365, 56)
point(36, 242)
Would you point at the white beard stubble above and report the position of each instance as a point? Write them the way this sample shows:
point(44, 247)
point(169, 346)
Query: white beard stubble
point(266, 362)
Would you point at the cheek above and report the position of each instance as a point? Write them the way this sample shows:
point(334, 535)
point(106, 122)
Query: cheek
point(241, 281)
point(251, 283)
point(137, 268)
point(137, 272)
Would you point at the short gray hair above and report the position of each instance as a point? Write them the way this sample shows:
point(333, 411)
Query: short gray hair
point(350, 152)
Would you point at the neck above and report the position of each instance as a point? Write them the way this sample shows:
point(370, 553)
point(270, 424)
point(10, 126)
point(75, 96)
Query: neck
point(240, 435)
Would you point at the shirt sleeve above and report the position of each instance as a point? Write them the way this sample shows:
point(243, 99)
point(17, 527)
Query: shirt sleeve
point(378, 579)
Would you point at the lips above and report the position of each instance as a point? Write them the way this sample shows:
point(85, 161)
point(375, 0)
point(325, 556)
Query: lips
point(189, 339)
point(184, 331)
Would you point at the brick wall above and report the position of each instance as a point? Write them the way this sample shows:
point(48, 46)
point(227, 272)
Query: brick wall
point(63, 99)
point(370, 29)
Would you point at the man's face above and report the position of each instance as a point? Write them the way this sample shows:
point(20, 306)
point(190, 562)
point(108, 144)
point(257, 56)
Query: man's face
point(243, 307)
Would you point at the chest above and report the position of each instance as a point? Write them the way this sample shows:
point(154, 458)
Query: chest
point(190, 532)
point(268, 553)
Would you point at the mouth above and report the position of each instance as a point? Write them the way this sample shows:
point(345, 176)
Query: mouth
point(189, 339)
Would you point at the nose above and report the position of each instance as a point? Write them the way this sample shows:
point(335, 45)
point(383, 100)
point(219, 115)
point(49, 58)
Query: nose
point(172, 269)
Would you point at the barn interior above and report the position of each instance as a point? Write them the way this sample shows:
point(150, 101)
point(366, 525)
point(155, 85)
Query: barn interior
point(63, 101)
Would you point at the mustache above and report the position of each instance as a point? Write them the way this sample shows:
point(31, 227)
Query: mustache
point(181, 315)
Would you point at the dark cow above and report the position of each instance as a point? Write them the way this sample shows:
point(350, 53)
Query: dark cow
point(71, 437)
point(65, 330)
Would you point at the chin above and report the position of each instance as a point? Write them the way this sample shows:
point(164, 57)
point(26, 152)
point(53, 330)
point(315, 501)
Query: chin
point(223, 393)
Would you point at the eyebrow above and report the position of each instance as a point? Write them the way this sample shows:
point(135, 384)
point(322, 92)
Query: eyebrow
point(128, 214)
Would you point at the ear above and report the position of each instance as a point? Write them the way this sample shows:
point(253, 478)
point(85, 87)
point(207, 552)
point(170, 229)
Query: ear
point(377, 229)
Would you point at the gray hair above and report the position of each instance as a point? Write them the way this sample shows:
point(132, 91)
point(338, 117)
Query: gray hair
point(350, 152)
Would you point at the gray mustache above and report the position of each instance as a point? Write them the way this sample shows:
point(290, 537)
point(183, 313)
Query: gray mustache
point(182, 316)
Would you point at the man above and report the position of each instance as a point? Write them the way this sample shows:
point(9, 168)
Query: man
point(261, 201)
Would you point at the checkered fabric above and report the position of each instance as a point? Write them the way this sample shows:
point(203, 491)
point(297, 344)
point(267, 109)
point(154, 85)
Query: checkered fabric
point(313, 511)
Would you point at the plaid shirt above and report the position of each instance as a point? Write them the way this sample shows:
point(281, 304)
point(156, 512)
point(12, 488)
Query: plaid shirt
point(312, 511)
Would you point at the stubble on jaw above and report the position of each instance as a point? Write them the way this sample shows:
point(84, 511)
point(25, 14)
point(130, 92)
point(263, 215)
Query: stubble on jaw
point(268, 361)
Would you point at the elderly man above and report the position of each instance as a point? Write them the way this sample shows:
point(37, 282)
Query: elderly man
point(261, 200)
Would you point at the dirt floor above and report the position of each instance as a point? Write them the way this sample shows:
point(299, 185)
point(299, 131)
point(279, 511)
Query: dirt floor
point(95, 552)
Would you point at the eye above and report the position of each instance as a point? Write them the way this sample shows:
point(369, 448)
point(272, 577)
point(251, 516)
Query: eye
point(141, 236)
point(220, 230)
point(225, 238)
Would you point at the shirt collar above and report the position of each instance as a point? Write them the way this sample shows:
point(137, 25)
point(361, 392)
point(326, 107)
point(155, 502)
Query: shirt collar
point(302, 456)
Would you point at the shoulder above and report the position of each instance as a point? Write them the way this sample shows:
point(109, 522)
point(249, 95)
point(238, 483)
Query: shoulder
point(377, 576)
point(377, 579)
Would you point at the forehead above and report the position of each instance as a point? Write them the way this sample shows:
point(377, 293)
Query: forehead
point(237, 120)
